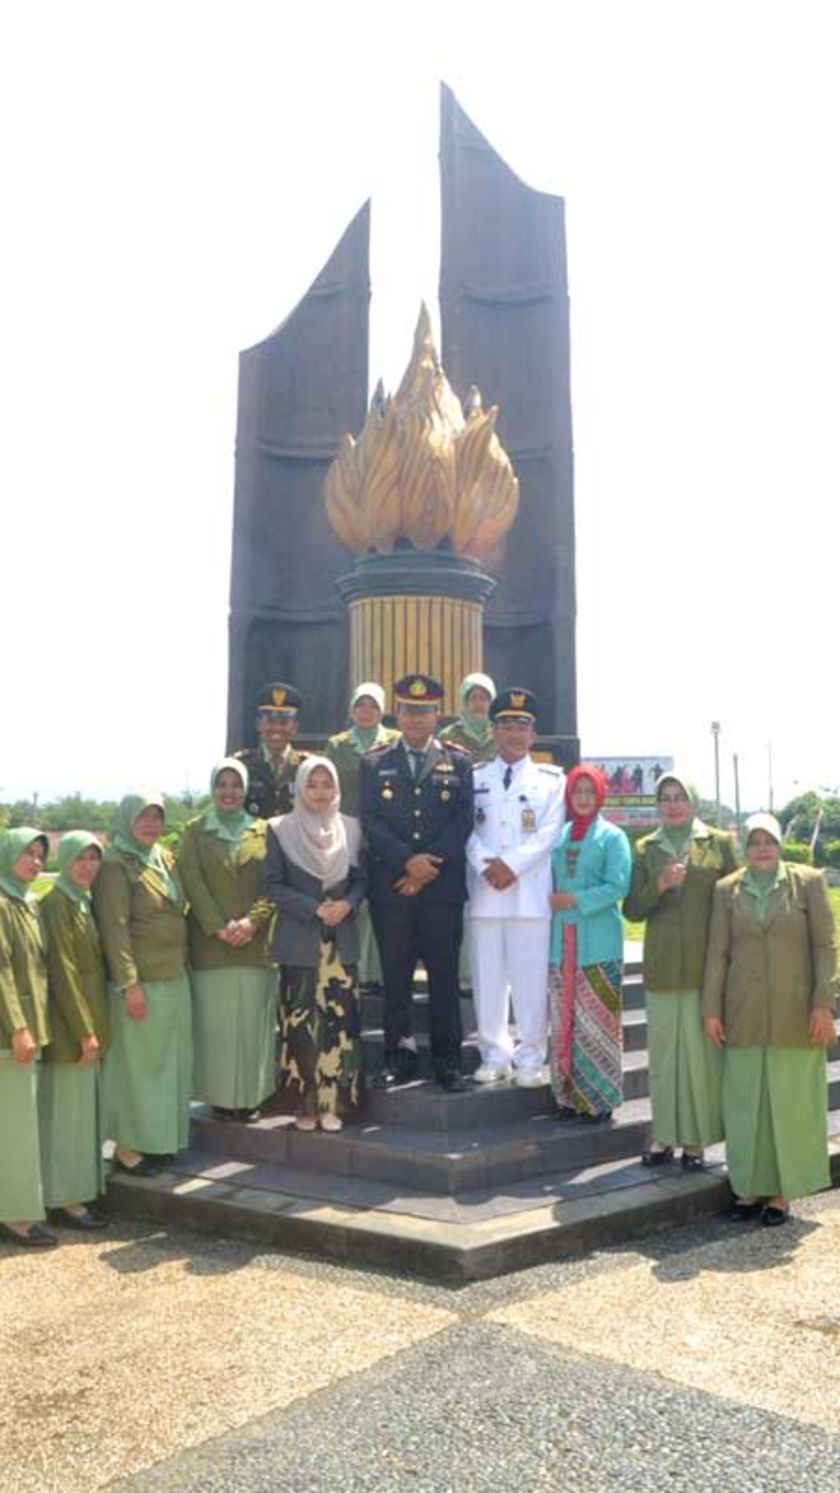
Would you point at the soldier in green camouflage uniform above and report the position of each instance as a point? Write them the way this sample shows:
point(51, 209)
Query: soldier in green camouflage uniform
point(273, 764)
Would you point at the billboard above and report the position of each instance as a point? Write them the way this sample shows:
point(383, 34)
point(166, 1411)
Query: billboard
point(631, 801)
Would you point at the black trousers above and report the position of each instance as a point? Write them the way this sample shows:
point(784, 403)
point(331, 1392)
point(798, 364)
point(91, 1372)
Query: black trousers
point(409, 929)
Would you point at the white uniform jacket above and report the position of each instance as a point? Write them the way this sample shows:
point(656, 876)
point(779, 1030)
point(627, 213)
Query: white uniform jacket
point(520, 826)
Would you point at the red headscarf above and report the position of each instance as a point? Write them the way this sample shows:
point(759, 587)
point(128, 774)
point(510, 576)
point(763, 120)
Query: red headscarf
point(581, 822)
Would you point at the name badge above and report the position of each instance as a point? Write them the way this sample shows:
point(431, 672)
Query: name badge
point(529, 821)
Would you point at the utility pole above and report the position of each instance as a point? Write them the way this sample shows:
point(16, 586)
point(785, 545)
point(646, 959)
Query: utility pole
point(716, 735)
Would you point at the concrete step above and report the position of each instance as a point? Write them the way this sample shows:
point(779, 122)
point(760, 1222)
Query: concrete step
point(446, 1161)
point(474, 1236)
point(424, 1105)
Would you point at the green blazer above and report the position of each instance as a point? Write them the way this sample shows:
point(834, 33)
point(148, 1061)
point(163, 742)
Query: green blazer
point(222, 885)
point(677, 921)
point(346, 761)
point(23, 971)
point(763, 980)
point(78, 992)
point(455, 734)
point(143, 932)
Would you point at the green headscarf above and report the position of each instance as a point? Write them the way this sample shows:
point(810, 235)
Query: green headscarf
point(13, 842)
point(762, 884)
point(228, 824)
point(130, 808)
point(675, 838)
point(70, 847)
point(362, 738)
point(478, 728)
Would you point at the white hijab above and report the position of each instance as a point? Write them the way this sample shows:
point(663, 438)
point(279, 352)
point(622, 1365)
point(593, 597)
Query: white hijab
point(324, 843)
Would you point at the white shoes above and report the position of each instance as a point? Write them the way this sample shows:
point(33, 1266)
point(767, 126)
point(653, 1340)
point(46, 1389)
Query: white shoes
point(491, 1073)
point(529, 1078)
point(331, 1122)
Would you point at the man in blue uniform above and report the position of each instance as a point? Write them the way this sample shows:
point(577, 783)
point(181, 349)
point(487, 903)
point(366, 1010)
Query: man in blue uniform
point(416, 805)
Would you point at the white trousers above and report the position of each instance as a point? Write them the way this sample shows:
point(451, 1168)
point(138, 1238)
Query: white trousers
point(509, 959)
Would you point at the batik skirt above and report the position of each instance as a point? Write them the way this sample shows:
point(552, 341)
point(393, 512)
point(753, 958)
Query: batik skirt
point(586, 1031)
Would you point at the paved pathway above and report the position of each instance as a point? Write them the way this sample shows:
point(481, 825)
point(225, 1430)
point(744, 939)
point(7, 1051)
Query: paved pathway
point(155, 1359)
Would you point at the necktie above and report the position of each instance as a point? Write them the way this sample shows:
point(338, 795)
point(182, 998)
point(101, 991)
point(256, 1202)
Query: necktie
point(507, 777)
point(416, 762)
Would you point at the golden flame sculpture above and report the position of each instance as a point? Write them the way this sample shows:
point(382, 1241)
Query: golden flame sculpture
point(420, 471)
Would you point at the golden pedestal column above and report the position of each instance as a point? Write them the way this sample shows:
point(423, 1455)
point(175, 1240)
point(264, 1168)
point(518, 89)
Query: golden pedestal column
point(414, 612)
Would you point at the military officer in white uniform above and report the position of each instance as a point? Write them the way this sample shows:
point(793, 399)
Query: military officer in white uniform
point(519, 810)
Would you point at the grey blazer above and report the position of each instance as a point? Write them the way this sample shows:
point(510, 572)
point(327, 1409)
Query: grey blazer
point(296, 894)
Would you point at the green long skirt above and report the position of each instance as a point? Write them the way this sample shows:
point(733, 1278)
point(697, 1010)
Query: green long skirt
point(370, 964)
point(147, 1073)
point(685, 1072)
point(21, 1192)
point(69, 1112)
point(234, 1025)
point(775, 1115)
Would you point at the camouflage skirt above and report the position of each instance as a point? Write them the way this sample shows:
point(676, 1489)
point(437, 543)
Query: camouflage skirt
point(321, 1047)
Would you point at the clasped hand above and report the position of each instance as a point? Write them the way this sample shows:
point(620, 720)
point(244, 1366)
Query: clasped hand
point(562, 901)
point(498, 874)
point(332, 913)
point(237, 932)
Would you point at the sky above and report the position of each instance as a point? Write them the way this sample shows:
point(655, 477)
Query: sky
point(174, 177)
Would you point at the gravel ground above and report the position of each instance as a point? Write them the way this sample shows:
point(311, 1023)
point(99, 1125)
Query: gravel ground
point(480, 1408)
point(704, 1359)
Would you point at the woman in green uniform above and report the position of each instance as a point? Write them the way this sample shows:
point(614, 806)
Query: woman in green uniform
point(675, 871)
point(472, 728)
point(69, 1097)
point(140, 911)
point(221, 858)
point(346, 751)
point(23, 1033)
point(768, 1002)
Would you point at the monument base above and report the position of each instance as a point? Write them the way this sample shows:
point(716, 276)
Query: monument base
point(416, 611)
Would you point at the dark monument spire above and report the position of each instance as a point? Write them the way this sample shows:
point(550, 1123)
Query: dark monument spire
point(505, 317)
point(299, 390)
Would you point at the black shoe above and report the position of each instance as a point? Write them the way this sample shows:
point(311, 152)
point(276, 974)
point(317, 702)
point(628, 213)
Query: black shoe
point(82, 1221)
point(247, 1116)
point(742, 1212)
point(565, 1112)
point(35, 1237)
point(658, 1158)
point(142, 1168)
point(772, 1217)
point(452, 1081)
point(603, 1118)
point(693, 1163)
point(222, 1114)
point(391, 1078)
point(160, 1160)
